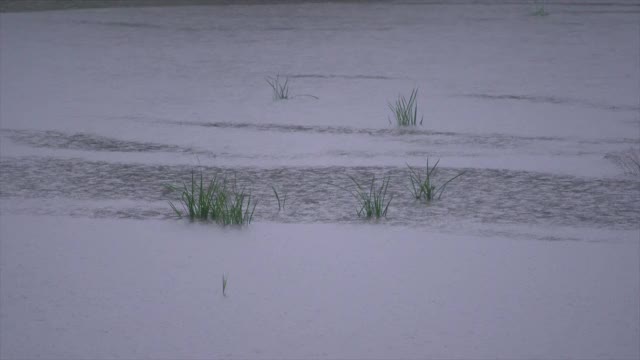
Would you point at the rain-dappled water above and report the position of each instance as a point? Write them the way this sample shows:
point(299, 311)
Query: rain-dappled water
point(318, 195)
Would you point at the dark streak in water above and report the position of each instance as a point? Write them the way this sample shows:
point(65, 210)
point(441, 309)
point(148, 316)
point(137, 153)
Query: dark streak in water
point(603, 12)
point(494, 2)
point(339, 76)
point(124, 24)
point(553, 100)
point(222, 29)
point(335, 130)
point(88, 142)
point(411, 135)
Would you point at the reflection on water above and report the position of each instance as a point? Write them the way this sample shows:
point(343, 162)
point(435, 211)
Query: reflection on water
point(314, 193)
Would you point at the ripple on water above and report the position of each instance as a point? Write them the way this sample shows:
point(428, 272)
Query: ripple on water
point(314, 194)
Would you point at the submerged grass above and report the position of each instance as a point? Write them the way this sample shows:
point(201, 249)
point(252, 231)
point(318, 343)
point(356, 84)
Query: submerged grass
point(280, 89)
point(424, 188)
point(634, 159)
point(372, 200)
point(406, 111)
point(539, 11)
point(629, 161)
point(213, 202)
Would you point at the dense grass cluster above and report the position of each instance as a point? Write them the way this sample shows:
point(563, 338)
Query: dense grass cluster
point(424, 187)
point(406, 111)
point(215, 201)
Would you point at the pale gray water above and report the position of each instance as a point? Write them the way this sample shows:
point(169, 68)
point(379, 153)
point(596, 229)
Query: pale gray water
point(533, 253)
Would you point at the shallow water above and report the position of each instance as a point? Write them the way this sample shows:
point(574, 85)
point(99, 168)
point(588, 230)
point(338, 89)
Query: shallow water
point(101, 109)
point(539, 112)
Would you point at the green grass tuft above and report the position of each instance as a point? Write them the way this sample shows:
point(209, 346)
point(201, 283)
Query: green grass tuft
point(406, 111)
point(372, 200)
point(237, 209)
point(280, 89)
point(196, 199)
point(424, 188)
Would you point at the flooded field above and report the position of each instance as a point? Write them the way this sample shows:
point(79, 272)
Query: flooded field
point(532, 253)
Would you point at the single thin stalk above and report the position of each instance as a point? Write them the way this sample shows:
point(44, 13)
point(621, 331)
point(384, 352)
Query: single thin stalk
point(224, 285)
point(281, 202)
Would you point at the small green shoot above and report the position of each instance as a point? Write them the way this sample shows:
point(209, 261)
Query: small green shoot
point(424, 188)
point(281, 202)
point(406, 111)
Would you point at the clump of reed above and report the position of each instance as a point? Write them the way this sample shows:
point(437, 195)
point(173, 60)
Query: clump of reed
point(424, 187)
point(279, 89)
point(405, 111)
point(372, 199)
point(214, 201)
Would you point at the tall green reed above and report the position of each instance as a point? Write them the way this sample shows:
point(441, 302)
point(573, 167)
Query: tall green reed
point(405, 111)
